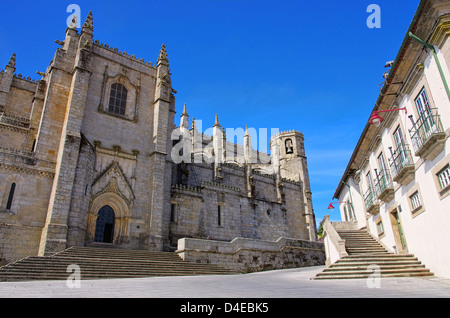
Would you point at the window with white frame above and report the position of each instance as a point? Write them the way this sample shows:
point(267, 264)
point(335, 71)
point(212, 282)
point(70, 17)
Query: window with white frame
point(380, 228)
point(425, 114)
point(415, 200)
point(444, 177)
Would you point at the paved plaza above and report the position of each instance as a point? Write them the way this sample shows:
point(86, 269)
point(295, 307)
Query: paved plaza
point(290, 283)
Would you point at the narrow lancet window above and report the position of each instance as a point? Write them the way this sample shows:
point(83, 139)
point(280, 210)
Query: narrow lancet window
point(11, 196)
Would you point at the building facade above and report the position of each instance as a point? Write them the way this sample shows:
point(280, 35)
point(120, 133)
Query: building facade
point(397, 183)
point(87, 155)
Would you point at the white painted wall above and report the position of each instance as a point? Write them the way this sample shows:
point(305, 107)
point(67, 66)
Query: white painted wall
point(427, 234)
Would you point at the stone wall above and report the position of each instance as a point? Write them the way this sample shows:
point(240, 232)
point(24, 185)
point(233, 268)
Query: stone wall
point(69, 156)
point(249, 255)
point(21, 225)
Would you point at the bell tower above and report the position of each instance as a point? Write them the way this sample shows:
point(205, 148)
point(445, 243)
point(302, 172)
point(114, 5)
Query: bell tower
point(292, 164)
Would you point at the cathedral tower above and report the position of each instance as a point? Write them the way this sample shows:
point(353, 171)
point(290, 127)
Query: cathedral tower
point(291, 161)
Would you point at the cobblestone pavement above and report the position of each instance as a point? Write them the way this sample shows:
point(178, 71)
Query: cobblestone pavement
point(290, 283)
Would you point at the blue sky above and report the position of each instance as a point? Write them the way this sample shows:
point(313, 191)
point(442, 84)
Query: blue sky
point(311, 66)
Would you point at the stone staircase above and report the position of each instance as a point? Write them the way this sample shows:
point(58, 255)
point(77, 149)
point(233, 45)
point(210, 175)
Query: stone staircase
point(102, 263)
point(365, 254)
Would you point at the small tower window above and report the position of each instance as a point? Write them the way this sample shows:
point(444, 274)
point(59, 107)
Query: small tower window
point(219, 216)
point(172, 212)
point(118, 99)
point(11, 196)
point(289, 146)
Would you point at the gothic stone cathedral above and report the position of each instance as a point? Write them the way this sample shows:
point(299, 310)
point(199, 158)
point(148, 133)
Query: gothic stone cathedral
point(85, 156)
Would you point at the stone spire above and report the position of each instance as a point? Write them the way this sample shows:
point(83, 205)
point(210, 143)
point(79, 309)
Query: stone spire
point(247, 146)
point(12, 61)
point(184, 118)
point(6, 80)
point(163, 55)
point(216, 123)
point(89, 23)
point(218, 148)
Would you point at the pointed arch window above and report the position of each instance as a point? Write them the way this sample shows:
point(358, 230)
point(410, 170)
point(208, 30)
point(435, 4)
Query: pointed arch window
point(118, 99)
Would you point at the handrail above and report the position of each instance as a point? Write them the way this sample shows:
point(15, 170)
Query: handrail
point(335, 239)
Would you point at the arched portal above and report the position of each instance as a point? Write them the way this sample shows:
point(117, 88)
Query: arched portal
point(104, 228)
point(122, 217)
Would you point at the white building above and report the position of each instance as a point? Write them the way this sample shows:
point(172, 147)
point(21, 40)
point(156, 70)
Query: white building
point(397, 182)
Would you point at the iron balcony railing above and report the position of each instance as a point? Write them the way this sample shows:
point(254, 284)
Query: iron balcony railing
point(383, 182)
point(400, 159)
point(424, 128)
point(370, 197)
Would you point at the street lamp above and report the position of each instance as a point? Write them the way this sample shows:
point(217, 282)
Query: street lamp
point(376, 119)
point(331, 207)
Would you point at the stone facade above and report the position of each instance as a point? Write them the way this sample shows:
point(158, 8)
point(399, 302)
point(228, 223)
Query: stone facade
point(95, 134)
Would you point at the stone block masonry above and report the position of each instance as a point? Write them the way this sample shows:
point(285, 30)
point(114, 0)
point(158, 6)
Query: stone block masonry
point(249, 255)
point(87, 150)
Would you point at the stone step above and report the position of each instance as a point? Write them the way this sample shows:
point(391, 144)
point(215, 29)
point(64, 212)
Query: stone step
point(85, 265)
point(101, 262)
point(366, 266)
point(364, 251)
point(357, 234)
point(357, 269)
point(361, 245)
point(378, 256)
point(376, 262)
point(357, 250)
point(27, 276)
point(352, 275)
point(112, 273)
point(116, 271)
point(116, 253)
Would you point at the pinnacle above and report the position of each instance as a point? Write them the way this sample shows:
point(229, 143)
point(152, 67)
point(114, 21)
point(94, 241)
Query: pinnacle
point(163, 54)
point(217, 121)
point(12, 61)
point(89, 23)
point(184, 111)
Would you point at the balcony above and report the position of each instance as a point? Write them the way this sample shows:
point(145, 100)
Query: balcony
point(384, 187)
point(371, 202)
point(428, 136)
point(402, 166)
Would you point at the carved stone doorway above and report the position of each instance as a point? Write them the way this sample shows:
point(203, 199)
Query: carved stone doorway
point(104, 228)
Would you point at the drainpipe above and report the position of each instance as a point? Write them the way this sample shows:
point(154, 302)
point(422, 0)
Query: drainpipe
point(433, 49)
